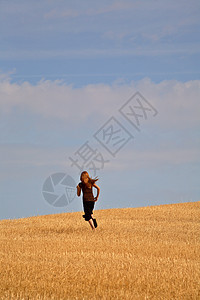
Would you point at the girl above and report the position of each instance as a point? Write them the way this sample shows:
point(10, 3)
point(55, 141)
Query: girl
point(86, 185)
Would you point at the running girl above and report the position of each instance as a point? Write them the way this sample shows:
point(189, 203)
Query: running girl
point(86, 185)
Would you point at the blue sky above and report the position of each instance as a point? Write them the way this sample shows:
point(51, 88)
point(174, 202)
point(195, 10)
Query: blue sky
point(66, 67)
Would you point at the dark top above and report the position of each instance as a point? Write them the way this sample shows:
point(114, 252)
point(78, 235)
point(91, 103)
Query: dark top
point(87, 192)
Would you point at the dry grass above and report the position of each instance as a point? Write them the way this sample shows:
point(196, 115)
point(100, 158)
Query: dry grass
point(135, 253)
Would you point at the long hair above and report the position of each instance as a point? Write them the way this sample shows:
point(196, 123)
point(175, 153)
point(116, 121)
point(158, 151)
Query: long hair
point(90, 180)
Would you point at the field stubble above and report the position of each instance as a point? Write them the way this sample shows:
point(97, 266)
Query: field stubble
point(136, 253)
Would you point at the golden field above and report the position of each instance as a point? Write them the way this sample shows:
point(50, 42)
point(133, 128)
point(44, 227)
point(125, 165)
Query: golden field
point(135, 253)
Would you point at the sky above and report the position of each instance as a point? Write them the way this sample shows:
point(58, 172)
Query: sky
point(111, 87)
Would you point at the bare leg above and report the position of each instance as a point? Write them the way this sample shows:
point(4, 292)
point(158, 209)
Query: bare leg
point(91, 224)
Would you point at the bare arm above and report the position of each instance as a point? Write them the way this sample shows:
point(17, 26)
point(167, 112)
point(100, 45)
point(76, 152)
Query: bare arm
point(78, 190)
point(98, 191)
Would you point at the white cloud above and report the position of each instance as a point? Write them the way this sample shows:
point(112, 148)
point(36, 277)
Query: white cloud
point(55, 99)
point(177, 102)
point(170, 137)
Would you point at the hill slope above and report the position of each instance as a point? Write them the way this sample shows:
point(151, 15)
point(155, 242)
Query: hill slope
point(135, 253)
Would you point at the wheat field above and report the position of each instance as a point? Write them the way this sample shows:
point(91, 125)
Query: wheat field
point(135, 253)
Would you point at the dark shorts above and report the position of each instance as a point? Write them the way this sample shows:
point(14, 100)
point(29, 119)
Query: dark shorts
point(88, 207)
